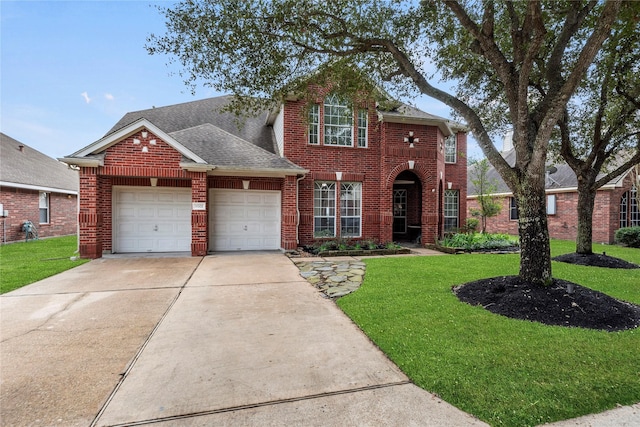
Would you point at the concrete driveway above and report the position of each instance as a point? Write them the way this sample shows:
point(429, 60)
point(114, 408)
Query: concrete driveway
point(230, 339)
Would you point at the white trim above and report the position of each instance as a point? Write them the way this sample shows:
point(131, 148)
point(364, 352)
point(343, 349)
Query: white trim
point(38, 188)
point(83, 162)
point(117, 136)
point(550, 191)
point(267, 173)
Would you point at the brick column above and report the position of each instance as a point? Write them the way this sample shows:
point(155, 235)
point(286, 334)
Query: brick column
point(89, 218)
point(199, 223)
point(289, 214)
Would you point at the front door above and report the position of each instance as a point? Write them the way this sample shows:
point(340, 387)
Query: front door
point(399, 211)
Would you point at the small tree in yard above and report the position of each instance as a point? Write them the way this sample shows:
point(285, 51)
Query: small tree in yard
point(489, 204)
point(525, 58)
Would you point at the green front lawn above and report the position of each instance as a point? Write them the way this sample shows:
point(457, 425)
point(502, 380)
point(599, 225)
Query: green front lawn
point(27, 262)
point(506, 372)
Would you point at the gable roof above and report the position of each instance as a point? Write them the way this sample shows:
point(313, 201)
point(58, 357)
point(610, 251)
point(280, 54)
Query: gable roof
point(560, 177)
point(206, 137)
point(25, 167)
point(404, 113)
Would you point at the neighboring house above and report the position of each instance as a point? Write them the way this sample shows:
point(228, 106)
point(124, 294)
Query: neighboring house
point(36, 188)
point(187, 177)
point(616, 203)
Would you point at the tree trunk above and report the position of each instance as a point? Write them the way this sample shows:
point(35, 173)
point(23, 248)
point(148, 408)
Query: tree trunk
point(535, 252)
point(586, 203)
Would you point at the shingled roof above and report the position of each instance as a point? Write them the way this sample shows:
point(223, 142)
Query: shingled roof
point(208, 137)
point(559, 177)
point(25, 167)
point(188, 115)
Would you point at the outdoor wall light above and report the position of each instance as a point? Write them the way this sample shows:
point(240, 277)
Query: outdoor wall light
point(410, 139)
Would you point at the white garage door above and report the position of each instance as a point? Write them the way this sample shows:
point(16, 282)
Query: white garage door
point(244, 220)
point(151, 219)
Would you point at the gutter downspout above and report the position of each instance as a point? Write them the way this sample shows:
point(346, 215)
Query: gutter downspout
point(298, 208)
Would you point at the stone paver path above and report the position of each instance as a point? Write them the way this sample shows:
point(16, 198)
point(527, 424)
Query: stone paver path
point(333, 278)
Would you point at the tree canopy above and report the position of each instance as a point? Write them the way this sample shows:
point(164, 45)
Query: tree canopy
point(514, 62)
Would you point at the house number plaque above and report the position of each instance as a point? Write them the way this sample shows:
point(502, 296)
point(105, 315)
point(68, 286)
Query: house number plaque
point(198, 206)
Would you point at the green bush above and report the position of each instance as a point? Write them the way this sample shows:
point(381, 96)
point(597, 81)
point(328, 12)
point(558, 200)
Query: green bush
point(629, 236)
point(471, 225)
point(479, 241)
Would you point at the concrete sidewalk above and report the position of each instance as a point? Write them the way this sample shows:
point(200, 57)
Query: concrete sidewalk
point(237, 339)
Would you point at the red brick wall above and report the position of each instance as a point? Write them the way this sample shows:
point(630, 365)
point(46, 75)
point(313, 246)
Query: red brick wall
point(376, 166)
point(563, 225)
point(23, 204)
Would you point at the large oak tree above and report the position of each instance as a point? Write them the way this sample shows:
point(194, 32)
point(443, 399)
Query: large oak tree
point(261, 50)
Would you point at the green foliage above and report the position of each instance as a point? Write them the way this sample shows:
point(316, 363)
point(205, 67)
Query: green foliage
point(629, 236)
point(479, 241)
point(27, 262)
point(348, 245)
point(506, 372)
point(471, 225)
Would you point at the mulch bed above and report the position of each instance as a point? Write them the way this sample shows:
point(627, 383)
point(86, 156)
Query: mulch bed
point(552, 305)
point(595, 260)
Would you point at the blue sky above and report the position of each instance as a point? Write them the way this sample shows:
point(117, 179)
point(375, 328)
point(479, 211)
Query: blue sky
point(69, 70)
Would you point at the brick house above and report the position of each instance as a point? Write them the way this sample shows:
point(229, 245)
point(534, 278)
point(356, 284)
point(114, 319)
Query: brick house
point(188, 177)
point(34, 187)
point(616, 204)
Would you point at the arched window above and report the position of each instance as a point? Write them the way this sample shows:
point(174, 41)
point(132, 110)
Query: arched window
point(629, 212)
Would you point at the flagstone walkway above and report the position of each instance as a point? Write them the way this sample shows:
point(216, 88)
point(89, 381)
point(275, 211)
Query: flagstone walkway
point(334, 278)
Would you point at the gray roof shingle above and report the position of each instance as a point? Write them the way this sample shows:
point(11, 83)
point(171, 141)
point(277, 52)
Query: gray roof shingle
point(222, 149)
point(187, 115)
point(33, 168)
point(559, 176)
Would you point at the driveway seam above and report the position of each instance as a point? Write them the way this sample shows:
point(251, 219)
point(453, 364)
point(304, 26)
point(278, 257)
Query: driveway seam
point(124, 375)
point(262, 404)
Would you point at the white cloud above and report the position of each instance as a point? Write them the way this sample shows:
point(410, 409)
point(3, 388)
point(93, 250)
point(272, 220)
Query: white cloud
point(109, 97)
point(85, 95)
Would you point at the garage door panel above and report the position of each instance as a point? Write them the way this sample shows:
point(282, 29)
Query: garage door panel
point(244, 220)
point(151, 219)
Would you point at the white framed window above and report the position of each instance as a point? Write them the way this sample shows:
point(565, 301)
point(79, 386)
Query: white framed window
point(363, 119)
point(350, 209)
point(451, 207)
point(513, 209)
point(44, 207)
point(314, 124)
point(551, 204)
point(629, 211)
point(324, 209)
point(338, 122)
point(450, 149)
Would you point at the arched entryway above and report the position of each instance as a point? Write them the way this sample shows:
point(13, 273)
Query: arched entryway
point(407, 207)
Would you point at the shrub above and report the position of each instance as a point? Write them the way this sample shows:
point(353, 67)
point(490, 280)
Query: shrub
point(479, 241)
point(629, 236)
point(471, 225)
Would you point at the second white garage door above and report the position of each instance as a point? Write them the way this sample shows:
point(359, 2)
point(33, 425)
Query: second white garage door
point(244, 220)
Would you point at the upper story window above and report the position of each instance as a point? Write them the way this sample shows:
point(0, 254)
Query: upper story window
point(314, 124)
point(337, 124)
point(450, 148)
point(363, 119)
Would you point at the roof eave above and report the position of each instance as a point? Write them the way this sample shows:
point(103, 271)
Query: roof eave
point(85, 162)
point(257, 172)
point(395, 118)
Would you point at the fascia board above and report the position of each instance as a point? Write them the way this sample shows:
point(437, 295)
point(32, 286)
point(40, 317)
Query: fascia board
point(273, 173)
point(37, 187)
